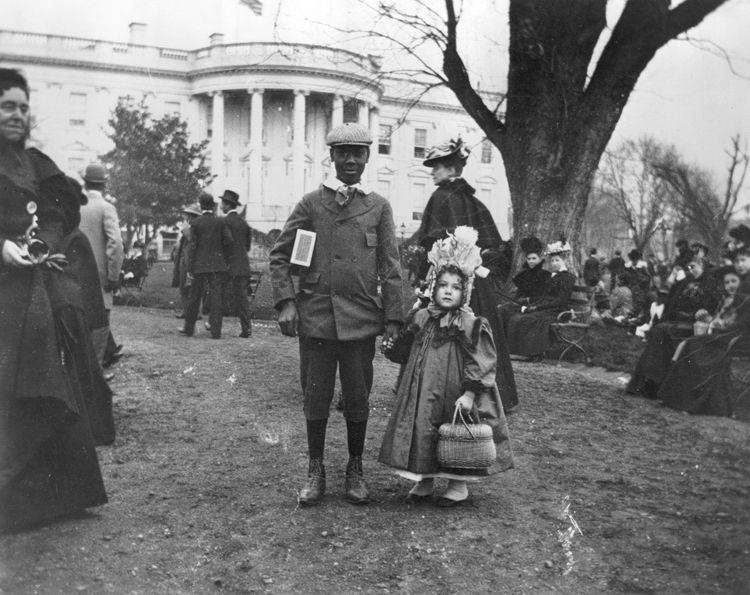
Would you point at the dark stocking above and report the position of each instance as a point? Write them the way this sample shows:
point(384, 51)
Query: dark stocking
point(355, 437)
point(316, 437)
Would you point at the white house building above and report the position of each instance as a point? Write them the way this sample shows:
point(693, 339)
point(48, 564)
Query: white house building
point(265, 108)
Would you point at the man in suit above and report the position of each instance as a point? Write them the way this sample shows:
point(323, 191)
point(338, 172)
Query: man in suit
point(209, 249)
point(100, 224)
point(239, 261)
point(338, 311)
point(179, 274)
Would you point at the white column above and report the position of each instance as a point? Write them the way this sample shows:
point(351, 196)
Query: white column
point(217, 142)
point(193, 118)
point(256, 150)
point(372, 165)
point(298, 148)
point(337, 116)
point(364, 112)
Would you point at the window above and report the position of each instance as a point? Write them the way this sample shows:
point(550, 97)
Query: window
point(384, 139)
point(486, 156)
point(77, 109)
point(419, 191)
point(384, 188)
point(126, 100)
point(351, 110)
point(172, 108)
point(420, 142)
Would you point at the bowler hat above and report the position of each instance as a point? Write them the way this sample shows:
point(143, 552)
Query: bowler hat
point(231, 197)
point(95, 172)
point(349, 134)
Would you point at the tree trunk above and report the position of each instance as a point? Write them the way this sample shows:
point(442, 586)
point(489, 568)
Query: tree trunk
point(558, 119)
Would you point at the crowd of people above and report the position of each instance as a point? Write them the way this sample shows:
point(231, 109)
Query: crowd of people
point(62, 258)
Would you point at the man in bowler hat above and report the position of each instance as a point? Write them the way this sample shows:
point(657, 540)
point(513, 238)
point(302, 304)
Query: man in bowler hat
point(239, 262)
point(338, 310)
point(209, 249)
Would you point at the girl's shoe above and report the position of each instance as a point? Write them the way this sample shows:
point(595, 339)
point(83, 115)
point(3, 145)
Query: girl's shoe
point(457, 493)
point(421, 491)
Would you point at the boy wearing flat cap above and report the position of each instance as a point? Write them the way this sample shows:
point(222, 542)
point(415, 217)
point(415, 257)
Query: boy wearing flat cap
point(338, 310)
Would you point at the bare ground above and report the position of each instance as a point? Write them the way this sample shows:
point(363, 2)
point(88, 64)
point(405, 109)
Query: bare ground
point(210, 452)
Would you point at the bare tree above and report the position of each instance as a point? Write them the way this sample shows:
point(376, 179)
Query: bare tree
point(707, 208)
point(628, 183)
point(564, 97)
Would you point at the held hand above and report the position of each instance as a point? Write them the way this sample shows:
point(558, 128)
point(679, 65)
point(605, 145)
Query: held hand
point(15, 256)
point(289, 319)
point(466, 401)
point(391, 332)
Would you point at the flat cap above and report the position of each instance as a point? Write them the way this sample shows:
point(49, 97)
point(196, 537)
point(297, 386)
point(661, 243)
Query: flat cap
point(349, 134)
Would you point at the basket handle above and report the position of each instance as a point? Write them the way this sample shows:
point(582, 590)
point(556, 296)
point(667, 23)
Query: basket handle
point(458, 413)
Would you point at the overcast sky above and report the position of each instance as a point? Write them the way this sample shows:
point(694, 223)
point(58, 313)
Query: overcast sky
point(687, 96)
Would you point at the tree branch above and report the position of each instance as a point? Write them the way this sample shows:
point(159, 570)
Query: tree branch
point(459, 82)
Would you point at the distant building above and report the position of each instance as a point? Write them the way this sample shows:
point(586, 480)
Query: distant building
point(266, 108)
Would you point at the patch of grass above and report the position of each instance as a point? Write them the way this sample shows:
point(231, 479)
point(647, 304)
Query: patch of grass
point(157, 291)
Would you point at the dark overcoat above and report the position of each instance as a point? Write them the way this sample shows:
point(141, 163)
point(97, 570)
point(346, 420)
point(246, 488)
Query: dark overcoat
point(239, 262)
point(355, 253)
point(210, 245)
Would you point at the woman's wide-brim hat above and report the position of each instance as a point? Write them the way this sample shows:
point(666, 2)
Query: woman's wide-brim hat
point(560, 247)
point(452, 150)
point(192, 210)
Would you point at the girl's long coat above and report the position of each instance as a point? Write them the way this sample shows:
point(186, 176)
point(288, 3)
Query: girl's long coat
point(445, 360)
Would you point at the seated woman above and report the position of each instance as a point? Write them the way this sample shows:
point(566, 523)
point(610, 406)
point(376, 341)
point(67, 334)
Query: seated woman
point(699, 377)
point(695, 292)
point(529, 329)
point(532, 281)
point(639, 281)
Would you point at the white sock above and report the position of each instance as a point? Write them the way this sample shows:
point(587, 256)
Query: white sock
point(422, 488)
point(457, 490)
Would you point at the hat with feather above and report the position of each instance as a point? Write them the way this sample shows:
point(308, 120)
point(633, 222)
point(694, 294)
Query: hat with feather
point(460, 250)
point(559, 248)
point(532, 245)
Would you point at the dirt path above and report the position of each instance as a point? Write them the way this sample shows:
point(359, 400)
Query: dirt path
point(210, 451)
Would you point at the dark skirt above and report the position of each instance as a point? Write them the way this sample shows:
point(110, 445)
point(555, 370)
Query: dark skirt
point(529, 333)
point(484, 303)
point(652, 366)
point(53, 401)
point(700, 380)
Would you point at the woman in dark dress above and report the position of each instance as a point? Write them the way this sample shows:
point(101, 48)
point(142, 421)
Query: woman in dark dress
point(49, 375)
point(532, 281)
point(696, 292)
point(529, 328)
point(699, 378)
point(453, 204)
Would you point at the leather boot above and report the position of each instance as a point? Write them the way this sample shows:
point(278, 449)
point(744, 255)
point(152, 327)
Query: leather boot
point(356, 488)
point(315, 486)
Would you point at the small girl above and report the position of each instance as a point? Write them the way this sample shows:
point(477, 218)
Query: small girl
point(451, 362)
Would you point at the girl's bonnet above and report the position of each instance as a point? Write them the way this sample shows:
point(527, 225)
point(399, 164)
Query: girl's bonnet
point(459, 249)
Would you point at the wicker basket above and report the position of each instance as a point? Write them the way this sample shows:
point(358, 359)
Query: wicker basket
point(465, 445)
